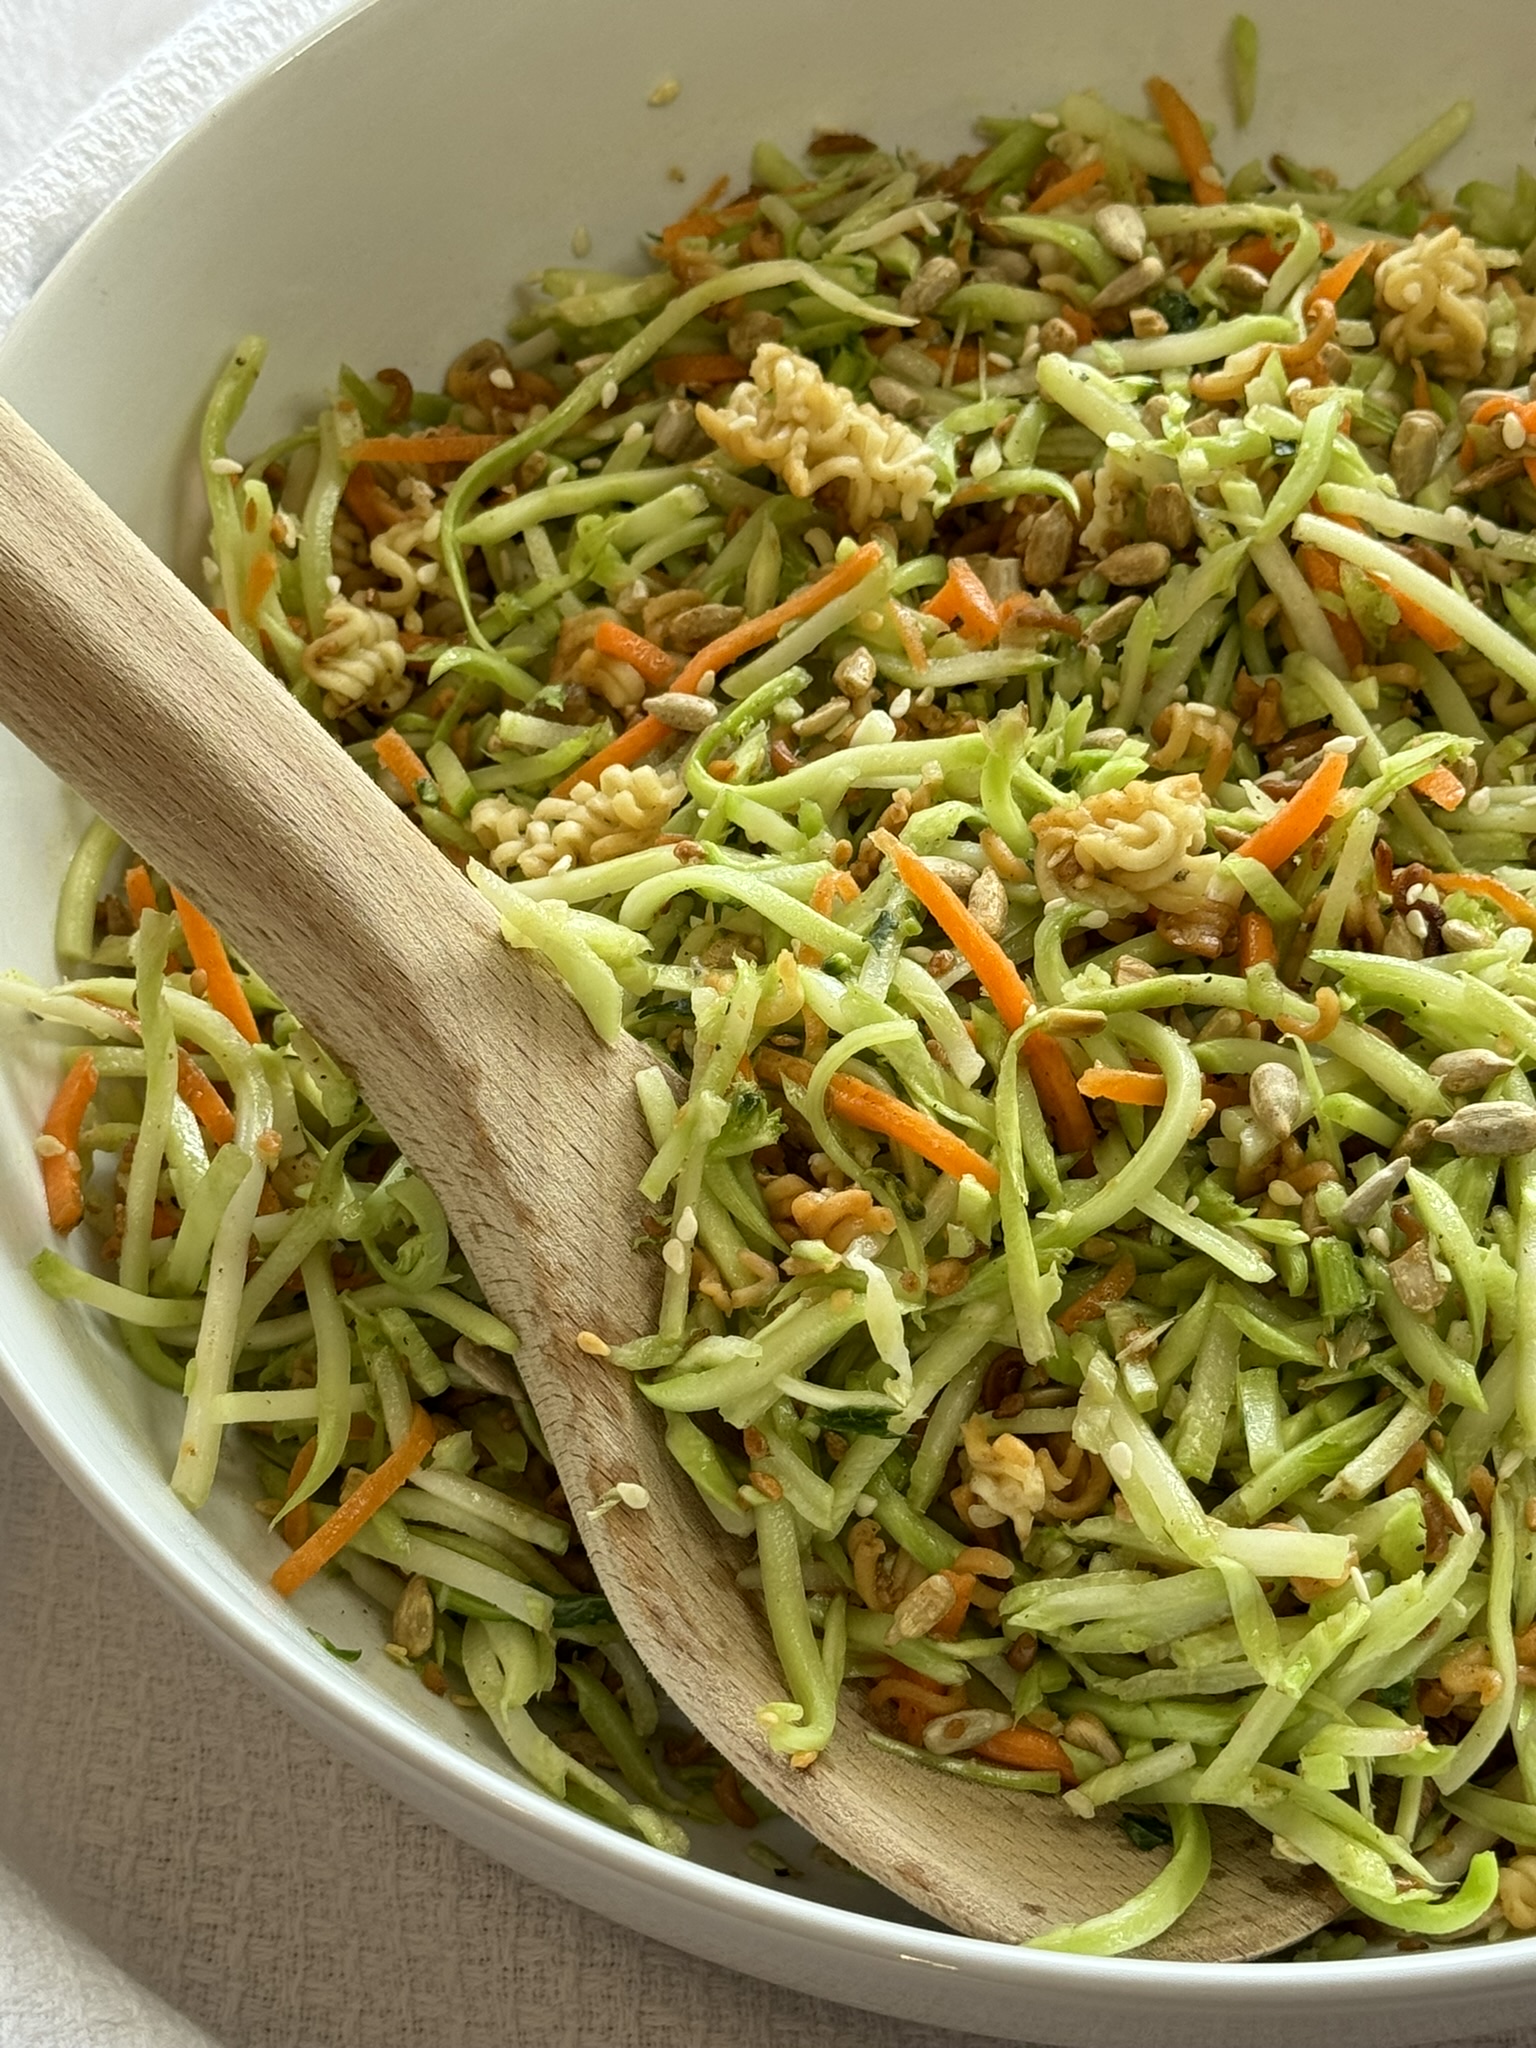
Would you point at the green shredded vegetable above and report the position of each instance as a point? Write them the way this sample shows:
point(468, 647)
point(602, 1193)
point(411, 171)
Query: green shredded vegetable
point(1027, 715)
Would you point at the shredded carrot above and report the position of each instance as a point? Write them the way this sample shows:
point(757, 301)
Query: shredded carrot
point(1319, 333)
point(700, 369)
point(1295, 822)
point(61, 1173)
point(648, 733)
point(402, 760)
point(1224, 1094)
point(1123, 1084)
point(1055, 1083)
point(296, 1523)
point(964, 599)
point(1514, 907)
point(368, 503)
point(624, 644)
point(947, 1627)
point(1256, 252)
point(1083, 179)
point(1419, 620)
point(1442, 788)
point(260, 578)
point(139, 892)
point(1061, 1100)
point(424, 448)
point(1081, 323)
point(994, 970)
point(338, 1530)
point(911, 638)
point(873, 1110)
point(1334, 283)
point(1092, 1302)
point(1028, 1749)
point(203, 1099)
point(1255, 941)
point(207, 950)
point(1184, 131)
point(1321, 570)
point(1037, 615)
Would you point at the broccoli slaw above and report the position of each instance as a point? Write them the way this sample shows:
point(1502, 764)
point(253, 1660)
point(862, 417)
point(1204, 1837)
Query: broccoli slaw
point(1015, 678)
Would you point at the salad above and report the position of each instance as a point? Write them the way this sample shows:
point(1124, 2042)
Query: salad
point(1015, 678)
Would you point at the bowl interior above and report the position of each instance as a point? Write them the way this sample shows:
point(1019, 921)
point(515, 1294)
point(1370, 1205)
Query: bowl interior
point(376, 199)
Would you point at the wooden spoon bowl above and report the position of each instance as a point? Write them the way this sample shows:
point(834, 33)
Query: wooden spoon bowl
point(487, 1076)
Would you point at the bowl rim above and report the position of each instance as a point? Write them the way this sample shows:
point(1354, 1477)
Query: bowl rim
point(333, 1695)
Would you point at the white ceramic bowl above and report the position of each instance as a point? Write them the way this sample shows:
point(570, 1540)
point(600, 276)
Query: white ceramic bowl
point(375, 197)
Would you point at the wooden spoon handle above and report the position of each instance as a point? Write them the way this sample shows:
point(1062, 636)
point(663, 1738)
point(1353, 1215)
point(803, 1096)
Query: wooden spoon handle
point(122, 681)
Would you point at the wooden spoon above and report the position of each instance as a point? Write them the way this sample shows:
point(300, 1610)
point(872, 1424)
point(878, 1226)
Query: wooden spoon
point(485, 1072)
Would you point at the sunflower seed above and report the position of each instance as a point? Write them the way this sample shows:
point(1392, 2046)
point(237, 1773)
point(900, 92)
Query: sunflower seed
point(1490, 1130)
point(414, 1624)
point(1470, 1071)
point(1371, 1193)
point(1276, 1099)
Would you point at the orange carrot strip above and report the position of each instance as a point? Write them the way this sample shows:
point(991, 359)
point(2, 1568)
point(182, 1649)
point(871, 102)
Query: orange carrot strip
point(700, 369)
point(423, 448)
point(1083, 179)
point(1256, 252)
point(1442, 788)
point(139, 891)
point(873, 1110)
point(296, 1522)
point(1028, 1749)
point(203, 1099)
point(648, 660)
point(1183, 129)
point(1333, 284)
point(912, 641)
point(1255, 941)
point(338, 1530)
point(207, 950)
point(402, 760)
point(1081, 323)
point(839, 887)
point(964, 598)
point(1092, 1302)
point(1514, 907)
point(947, 1627)
point(260, 578)
point(1055, 1084)
point(1420, 621)
point(994, 970)
point(366, 500)
point(1295, 822)
point(61, 1173)
point(648, 733)
point(1061, 1100)
point(1322, 571)
point(1123, 1084)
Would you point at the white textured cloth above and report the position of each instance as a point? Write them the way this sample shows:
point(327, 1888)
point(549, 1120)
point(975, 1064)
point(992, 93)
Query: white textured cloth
point(180, 1865)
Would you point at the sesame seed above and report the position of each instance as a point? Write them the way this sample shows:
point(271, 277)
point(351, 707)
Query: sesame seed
point(610, 395)
point(1378, 1241)
point(1282, 1192)
point(1479, 801)
point(210, 569)
point(664, 94)
point(633, 432)
point(1418, 924)
point(591, 462)
point(674, 1255)
point(865, 1505)
point(1513, 432)
point(688, 1225)
point(581, 241)
point(333, 585)
point(901, 704)
point(225, 465)
point(592, 1344)
point(503, 379)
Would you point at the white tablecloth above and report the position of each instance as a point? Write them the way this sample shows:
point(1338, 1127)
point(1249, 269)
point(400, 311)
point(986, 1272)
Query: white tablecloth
point(180, 1865)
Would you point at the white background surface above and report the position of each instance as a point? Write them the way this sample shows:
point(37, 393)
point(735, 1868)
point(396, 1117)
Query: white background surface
point(179, 1864)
